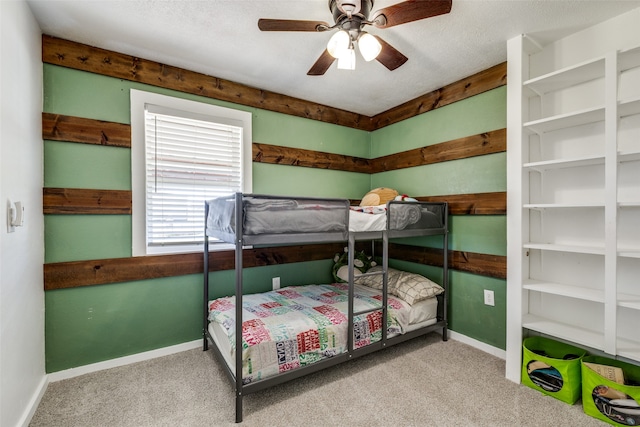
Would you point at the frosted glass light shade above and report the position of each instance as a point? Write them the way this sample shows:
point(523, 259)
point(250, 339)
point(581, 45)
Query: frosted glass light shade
point(338, 43)
point(347, 61)
point(369, 46)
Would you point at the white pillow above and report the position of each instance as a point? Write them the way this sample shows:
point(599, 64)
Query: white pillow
point(413, 287)
point(410, 287)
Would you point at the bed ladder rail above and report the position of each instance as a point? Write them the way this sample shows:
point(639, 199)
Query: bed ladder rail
point(383, 306)
point(371, 310)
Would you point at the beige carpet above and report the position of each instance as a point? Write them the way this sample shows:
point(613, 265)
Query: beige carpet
point(423, 382)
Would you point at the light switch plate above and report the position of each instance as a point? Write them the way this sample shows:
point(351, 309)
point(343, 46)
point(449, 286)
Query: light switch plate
point(488, 297)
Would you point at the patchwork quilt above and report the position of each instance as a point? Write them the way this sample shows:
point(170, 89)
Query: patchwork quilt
point(299, 325)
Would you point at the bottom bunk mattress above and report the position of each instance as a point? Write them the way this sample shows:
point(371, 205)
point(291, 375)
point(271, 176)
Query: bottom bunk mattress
point(299, 325)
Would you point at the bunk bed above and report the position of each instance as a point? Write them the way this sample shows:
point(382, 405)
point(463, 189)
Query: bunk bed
point(352, 311)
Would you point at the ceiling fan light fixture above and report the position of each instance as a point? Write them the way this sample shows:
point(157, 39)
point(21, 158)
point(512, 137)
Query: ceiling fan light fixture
point(347, 61)
point(369, 46)
point(338, 44)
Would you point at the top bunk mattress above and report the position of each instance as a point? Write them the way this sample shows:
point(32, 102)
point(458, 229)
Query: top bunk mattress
point(277, 215)
point(270, 215)
point(397, 216)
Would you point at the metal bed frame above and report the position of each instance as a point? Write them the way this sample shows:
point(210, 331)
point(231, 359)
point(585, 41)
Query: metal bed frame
point(351, 237)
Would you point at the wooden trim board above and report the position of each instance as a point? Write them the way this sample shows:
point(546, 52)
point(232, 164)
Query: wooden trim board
point(58, 127)
point(73, 274)
point(79, 201)
point(86, 201)
point(461, 148)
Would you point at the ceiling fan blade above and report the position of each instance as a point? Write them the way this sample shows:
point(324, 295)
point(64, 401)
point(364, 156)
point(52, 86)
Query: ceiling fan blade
point(322, 64)
point(291, 25)
point(408, 11)
point(389, 56)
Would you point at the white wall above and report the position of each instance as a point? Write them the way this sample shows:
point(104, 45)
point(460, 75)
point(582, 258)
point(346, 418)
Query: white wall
point(22, 369)
point(618, 33)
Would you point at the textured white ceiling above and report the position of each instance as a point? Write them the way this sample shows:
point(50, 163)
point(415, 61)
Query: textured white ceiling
point(221, 38)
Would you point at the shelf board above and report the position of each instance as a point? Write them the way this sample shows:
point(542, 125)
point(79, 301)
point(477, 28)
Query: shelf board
point(593, 250)
point(595, 295)
point(629, 349)
point(578, 292)
point(628, 59)
point(628, 156)
point(629, 204)
point(629, 253)
point(571, 333)
point(542, 206)
point(629, 301)
point(565, 163)
point(628, 107)
point(567, 77)
point(567, 120)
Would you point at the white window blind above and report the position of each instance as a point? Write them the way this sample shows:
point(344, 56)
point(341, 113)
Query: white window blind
point(189, 158)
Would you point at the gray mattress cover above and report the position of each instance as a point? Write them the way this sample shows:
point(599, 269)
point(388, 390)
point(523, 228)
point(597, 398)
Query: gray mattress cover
point(289, 215)
point(277, 215)
point(415, 216)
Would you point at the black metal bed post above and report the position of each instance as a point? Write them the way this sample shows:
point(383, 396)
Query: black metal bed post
point(445, 272)
point(385, 284)
point(238, 254)
point(205, 322)
point(351, 256)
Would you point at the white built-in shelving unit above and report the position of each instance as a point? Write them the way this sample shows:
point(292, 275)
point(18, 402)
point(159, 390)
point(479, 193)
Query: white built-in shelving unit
point(573, 176)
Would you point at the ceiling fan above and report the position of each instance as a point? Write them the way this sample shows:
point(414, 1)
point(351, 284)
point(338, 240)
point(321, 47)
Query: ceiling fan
point(350, 17)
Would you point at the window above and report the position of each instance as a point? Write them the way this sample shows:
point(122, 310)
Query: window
point(183, 153)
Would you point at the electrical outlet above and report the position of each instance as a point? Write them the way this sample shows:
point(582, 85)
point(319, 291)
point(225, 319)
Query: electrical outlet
point(275, 282)
point(488, 297)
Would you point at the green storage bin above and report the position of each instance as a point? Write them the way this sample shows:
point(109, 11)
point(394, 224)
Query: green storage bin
point(607, 400)
point(552, 367)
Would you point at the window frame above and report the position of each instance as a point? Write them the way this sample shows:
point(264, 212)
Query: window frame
point(139, 99)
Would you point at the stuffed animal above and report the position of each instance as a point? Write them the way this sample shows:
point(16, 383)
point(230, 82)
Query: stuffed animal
point(378, 196)
point(361, 263)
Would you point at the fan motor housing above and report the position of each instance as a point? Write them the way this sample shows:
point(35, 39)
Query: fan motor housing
point(339, 7)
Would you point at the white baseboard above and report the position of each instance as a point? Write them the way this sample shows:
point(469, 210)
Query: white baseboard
point(34, 402)
point(502, 354)
point(122, 361)
point(148, 355)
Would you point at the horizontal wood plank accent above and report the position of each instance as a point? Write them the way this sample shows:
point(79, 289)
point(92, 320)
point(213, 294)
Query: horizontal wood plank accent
point(278, 155)
point(63, 275)
point(461, 148)
point(105, 202)
point(57, 127)
point(483, 81)
point(86, 201)
point(470, 262)
point(466, 204)
point(472, 204)
point(79, 56)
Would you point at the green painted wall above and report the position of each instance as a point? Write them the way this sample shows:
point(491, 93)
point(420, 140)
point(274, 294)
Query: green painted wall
point(91, 324)
point(475, 233)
